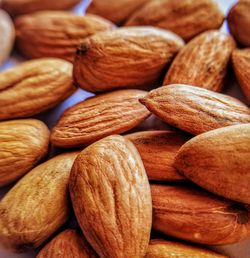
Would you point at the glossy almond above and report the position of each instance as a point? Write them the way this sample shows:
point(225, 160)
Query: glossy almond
point(34, 86)
point(37, 205)
point(111, 198)
point(98, 117)
point(23, 144)
point(195, 110)
point(125, 58)
point(187, 18)
point(203, 61)
point(198, 216)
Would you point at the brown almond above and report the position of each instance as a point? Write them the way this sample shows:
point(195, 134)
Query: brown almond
point(125, 58)
point(23, 144)
point(195, 110)
point(203, 62)
point(111, 198)
point(98, 117)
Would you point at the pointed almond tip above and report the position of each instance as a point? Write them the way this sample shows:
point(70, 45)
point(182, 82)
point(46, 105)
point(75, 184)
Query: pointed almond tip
point(143, 101)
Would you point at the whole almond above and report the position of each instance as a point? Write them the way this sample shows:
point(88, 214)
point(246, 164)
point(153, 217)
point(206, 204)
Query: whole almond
point(111, 198)
point(198, 216)
point(158, 150)
point(187, 18)
point(241, 64)
point(98, 117)
point(195, 110)
point(219, 161)
point(55, 33)
point(37, 205)
point(124, 58)
point(34, 86)
point(203, 61)
point(69, 243)
point(23, 144)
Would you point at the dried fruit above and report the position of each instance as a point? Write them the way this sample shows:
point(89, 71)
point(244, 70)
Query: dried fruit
point(187, 18)
point(55, 33)
point(98, 117)
point(23, 144)
point(124, 58)
point(34, 86)
point(198, 216)
point(37, 205)
point(195, 110)
point(203, 61)
point(111, 198)
point(219, 161)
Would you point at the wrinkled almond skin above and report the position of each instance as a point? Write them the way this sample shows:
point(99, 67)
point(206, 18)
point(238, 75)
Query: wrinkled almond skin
point(23, 144)
point(241, 65)
point(166, 249)
point(203, 62)
point(68, 244)
point(111, 198)
point(158, 150)
point(37, 205)
point(95, 118)
point(187, 18)
point(195, 110)
point(56, 33)
point(198, 216)
point(124, 58)
point(239, 22)
point(34, 86)
point(219, 161)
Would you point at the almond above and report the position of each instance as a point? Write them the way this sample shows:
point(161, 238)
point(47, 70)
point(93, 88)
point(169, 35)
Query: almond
point(187, 18)
point(111, 198)
point(34, 86)
point(23, 144)
point(203, 61)
point(198, 216)
point(98, 117)
point(55, 33)
point(223, 154)
point(124, 58)
point(195, 110)
point(37, 205)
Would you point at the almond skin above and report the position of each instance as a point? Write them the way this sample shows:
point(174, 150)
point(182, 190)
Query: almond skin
point(98, 117)
point(203, 62)
point(158, 150)
point(37, 205)
point(241, 64)
point(34, 86)
point(23, 144)
point(198, 216)
point(187, 18)
point(111, 198)
point(69, 243)
point(56, 33)
point(195, 110)
point(223, 154)
point(125, 58)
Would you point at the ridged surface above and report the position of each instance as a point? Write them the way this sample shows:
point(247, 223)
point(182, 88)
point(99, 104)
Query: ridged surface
point(98, 117)
point(37, 205)
point(124, 58)
point(23, 143)
point(203, 62)
point(195, 110)
point(34, 86)
point(222, 154)
point(187, 18)
point(111, 198)
point(55, 33)
point(158, 150)
point(198, 216)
